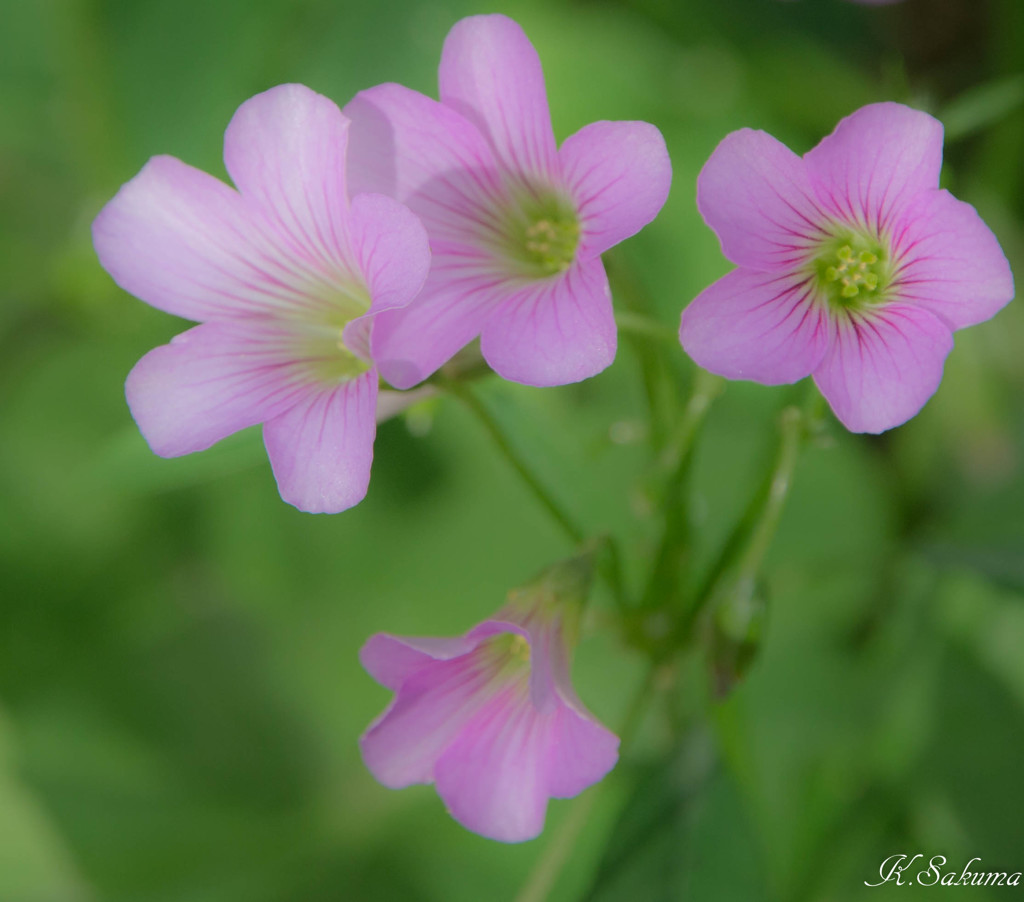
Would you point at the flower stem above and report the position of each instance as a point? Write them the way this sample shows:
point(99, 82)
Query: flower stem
point(670, 481)
point(706, 387)
point(515, 460)
point(655, 344)
point(744, 550)
point(791, 431)
point(644, 326)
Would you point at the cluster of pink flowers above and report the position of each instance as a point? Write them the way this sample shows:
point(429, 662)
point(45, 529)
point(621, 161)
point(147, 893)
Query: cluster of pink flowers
point(360, 249)
point(376, 242)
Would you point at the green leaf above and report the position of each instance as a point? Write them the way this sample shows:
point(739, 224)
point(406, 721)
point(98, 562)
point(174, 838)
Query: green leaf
point(35, 865)
point(684, 834)
point(980, 107)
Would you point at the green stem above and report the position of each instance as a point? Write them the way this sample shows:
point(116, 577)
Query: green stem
point(645, 327)
point(549, 865)
point(515, 460)
point(791, 431)
point(610, 562)
point(675, 456)
point(744, 550)
point(670, 480)
point(655, 345)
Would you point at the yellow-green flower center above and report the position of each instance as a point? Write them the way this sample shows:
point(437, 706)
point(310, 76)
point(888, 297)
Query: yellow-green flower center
point(519, 649)
point(330, 359)
point(541, 233)
point(852, 270)
point(505, 657)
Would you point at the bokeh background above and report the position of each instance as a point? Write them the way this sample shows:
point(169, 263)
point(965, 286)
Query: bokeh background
point(180, 697)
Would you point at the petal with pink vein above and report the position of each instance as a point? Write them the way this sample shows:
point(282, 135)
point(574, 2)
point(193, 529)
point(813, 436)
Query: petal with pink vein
point(491, 74)
point(883, 365)
point(767, 327)
point(285, 151)
point(619, 174)
point(875, 163)
point(322, 447)
point(554, 331)
point(211, 381)
point(950, 262)
point(755, 194)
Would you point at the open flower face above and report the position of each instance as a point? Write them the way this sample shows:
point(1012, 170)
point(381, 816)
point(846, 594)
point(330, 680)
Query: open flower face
point(516, 224)
point(490, 718)
point(286, 277)
point(853, 265)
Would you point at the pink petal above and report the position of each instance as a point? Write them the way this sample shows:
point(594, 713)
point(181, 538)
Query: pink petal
point(391, 250)
point(549, 654)
point(285, 151)
point(391, 660)
point(392, 256)
point(619, 175)
point(554, 331)
point(321, 449)
point(549, 663)
point(185, 242)
point(755, 194)
point(493, 777)
point(412, 148)
point(950, 262)
point(491, 74)
point(210, 382)
point(582, 753)
point(875, 163)
point(764, 327)
point(883, 366)
point(412, 343)
point(433, 704)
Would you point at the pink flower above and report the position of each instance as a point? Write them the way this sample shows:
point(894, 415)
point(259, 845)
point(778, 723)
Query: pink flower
point(853, 265)
point(490, 718)
point(286, 277)
point(516, 225)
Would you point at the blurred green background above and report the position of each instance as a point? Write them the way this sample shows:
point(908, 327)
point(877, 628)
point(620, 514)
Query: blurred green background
point(180, 698)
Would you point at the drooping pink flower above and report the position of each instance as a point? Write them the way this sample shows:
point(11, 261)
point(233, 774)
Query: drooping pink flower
point(517, 225)
point(490, 718)
point(853, 265)
point(286, 277)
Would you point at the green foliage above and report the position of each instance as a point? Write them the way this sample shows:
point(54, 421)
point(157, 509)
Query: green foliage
point(667, 843)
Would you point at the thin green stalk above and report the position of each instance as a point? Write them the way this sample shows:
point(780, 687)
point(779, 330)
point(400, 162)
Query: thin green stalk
point(656, 346)
point(644, 326)
point(791, 431)
point(743, 552)
point(515, 460)
point(610, 562)
point(670, 480)
point(549, 865)
point(706, 387)
point(610, 568)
